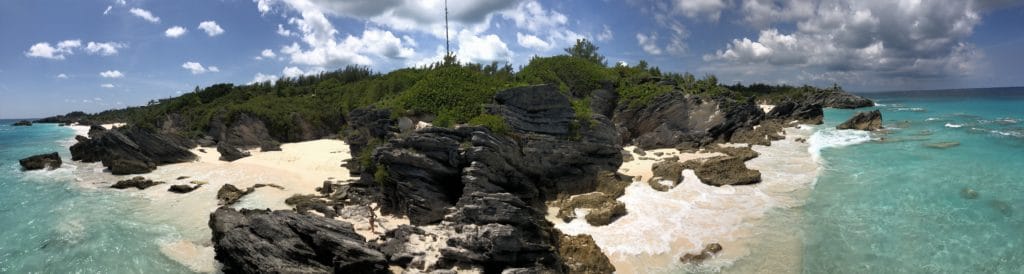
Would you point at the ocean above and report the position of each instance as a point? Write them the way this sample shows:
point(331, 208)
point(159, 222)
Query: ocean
point(899, 201)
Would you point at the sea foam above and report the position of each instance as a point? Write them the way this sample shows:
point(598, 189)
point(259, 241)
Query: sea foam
point(831, 138)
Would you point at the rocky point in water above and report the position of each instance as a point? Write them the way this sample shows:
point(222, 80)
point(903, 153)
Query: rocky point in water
point(48, 161)
point(870, 121)
point(22, 123)
point(131, 150)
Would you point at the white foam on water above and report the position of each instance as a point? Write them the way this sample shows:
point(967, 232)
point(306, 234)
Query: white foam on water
point(951, 125)
point(832, 138)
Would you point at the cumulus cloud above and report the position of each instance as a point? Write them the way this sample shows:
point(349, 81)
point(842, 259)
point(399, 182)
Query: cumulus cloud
point(292, 72)
point(649, 43)
point(211, 28)
point(605, 34)
point(282, 31)
point(104, 49)
point(532, 42)
point(324, 47)
point(175, 32)
point(145, 15)
point(62, 76)
point(112, 74)
point(107, 11)
point(844, 38)
point(44, 50)
point(482, 49)
point(108, 85)
point(197, 68)
point(260, 78)
point(711, 9)
point(266, 53)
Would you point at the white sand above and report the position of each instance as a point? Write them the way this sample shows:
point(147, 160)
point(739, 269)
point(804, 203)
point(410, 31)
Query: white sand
point(766, 108)
point(661, 226)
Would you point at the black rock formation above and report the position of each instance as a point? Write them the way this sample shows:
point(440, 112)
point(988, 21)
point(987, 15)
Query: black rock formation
point(870, 121)
point(132, 150)
point(49, 161)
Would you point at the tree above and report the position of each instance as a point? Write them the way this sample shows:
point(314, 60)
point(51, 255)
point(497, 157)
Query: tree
point(586, 50)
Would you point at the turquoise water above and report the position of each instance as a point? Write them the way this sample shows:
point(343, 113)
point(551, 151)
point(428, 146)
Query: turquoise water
point(53, 224)
point(894, 205)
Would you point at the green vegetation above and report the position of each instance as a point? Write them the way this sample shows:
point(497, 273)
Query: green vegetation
point(451, 91)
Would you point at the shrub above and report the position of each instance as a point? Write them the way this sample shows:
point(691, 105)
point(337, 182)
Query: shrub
point(642, 94)
point(577, 76)
point(493, 122)
point(454, 91)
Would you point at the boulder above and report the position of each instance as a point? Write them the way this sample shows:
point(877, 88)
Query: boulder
point(48, 161)
point(95, 130)
point(183, 188)
point(394, 245)
point(129, 166)
point(603, 208)
point(708, 252)
point(305, 203)
point(791, 110)
point(137, 182)
point(870, 121)
point(261, 241)
point(22, 123)
point(230, 153)
point(580, 254)
point(666, 170)
point(229, 194)
point(724, 170)
point(270, 146)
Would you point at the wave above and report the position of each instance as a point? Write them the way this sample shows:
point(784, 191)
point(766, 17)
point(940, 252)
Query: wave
point(951, 125)
point(833, 138)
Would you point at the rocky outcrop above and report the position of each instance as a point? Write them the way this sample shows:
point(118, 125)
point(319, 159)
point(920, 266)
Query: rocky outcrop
point(231, 153)
point(724, 170)
point(22, 123)
point(676, 119)
point(137, 182)
point(48, 161)
point(70, 118)
point(132, 150)
point(804, 113)
point(581, 254)
point(270, 146)
point(602, 208)
point(835, 99)
point(540, 109)
point(229, 194)
point(367, 129)
point(709, 251)
point(671, 171)
point(183, 188)
point(870, 121)
point(261, 241)
point(243, 131)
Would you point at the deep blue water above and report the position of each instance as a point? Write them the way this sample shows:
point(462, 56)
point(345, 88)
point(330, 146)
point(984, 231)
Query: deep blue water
point(53, 224)
point(895, 205)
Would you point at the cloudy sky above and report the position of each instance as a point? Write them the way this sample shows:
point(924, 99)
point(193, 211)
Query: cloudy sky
point(63, 55)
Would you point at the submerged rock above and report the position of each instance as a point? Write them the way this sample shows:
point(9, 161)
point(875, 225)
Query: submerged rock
point(261, 241)
point(969, 193)
point(22, 123)
point(48, 161)
point(870, 121)
point(708, 251)
point(943, 145)
point(137, 182)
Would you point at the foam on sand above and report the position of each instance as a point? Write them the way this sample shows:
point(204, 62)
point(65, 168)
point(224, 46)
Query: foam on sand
point(662, 226)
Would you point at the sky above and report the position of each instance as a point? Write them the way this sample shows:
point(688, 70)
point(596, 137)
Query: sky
point(58, 56)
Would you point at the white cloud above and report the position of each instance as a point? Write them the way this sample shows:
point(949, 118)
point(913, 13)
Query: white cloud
point(532, 42)
point(44, 50)
point(107, 85)
point(282, 31)
point(112, 74)
point(482, 49)
point(605, 34)
point(268, 53)
point(62, 76)
point(211, 28)
point(145, 14)
point(711, 9)
point(197, 68)
point(175, 32)
point(107, 11)
point(292, 72)
point(260, 78)
point(104, 49)
point(532, 16)
point(324, 48)
point(649, 43)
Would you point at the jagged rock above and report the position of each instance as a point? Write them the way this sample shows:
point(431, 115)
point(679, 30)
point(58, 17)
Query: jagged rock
point(394, 245)
point(22, 123)
point(805, 113)
point(368, 127)
point(41, 161)
point(667, 170)
point(245, 131)
point(80, 138)
point(602, 101)
point(95, 130)
point(539, 109)
point(137, 182)
point(678, 119)
point(229, 194)
point(261, 241)
point(612, 183)
point(836, 99)
point(603, 208)
point(182, 188)
point(869, 121)
point(580, 254)
point(724, 170)
point(270, 146)
point(744, 152)
point(230, 153)
point(708, 251)
point(304, 203)
point(206, 141)
point(132, 150)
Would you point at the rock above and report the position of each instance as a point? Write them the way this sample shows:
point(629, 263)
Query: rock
point(394, 245)
point(132, 150)
point(96, 130)
point(538, 109)
point(744, 152)
point(943, 145)
point(804, 113)
point(258, 241)
point(182, 188)
point(229, 194)
point(22, 123)
point(137, 182)
point(367, 129)
point(708, 251)
point(245, 131)
point(1001, 206)
point(80, 138)
point(580, 254)
point(870, 121)
point(724, 170)
point(270, 146)
point(304, 203)
point(968, 193)
point(626, 156)
point(603, 208)
point(667, 170)
point(206, 141)
point(230, 153)
point(801, 140)
point(327, 189)
point(835, 98)
point(678, 119)
point(41, 161)
point(182, 178)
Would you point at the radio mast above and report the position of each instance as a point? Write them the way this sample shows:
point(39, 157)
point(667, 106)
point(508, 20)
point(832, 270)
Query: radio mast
point(447, 47)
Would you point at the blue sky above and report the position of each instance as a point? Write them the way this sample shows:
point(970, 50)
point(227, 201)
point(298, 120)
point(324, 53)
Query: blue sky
point(64, 55)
